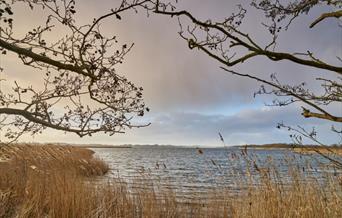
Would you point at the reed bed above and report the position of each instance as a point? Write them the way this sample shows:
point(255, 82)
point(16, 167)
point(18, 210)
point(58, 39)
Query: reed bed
point(60, 181)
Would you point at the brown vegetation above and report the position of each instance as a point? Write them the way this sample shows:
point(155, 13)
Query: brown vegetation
point(45, 180)
point(54, 181)
point(302, 149)
point(320, 149)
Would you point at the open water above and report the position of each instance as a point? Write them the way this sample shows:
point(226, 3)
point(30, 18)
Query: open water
point(192, 170)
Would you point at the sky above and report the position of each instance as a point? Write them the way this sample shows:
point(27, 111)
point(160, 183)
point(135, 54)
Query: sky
point(190, 97)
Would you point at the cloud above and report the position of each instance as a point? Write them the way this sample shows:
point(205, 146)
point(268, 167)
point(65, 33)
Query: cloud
point(249, 126)
point(190, 97)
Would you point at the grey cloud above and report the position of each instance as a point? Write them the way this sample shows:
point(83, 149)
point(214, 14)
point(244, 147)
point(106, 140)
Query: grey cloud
point(190, 128)
point(182, 86)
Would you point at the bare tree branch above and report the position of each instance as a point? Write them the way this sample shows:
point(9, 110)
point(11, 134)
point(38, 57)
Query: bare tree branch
point(25, 52)
point(306, 113)
point(241, 40)
point(335, 14)
point(81, 90)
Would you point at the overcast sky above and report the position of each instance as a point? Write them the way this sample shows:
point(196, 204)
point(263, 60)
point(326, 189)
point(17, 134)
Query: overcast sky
point(190, 98)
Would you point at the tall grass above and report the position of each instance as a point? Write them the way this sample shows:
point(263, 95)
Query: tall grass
point(58, 181)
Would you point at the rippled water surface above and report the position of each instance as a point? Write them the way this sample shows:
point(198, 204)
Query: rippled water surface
point(192, 170)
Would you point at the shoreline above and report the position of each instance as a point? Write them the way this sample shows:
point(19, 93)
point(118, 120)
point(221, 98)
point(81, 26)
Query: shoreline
point(305, 149)
point(103, 146)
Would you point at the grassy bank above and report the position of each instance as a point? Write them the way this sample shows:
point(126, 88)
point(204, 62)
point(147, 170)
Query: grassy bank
point(319, 149)
point(59, 181)
point(45, 180)
point(302, 149)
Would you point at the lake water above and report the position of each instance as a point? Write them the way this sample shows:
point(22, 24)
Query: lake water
point(190, 170)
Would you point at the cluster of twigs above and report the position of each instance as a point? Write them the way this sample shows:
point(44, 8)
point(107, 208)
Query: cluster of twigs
point(81, 90)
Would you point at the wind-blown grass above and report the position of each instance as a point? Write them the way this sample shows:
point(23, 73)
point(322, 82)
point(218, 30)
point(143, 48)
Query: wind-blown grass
point(60, 181)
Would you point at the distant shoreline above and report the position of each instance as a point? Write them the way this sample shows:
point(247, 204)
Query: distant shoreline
point(301, 149)
point(104, 146)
